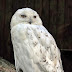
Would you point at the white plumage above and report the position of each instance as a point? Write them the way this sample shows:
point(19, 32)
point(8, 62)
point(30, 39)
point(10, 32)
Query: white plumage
point(34, 47)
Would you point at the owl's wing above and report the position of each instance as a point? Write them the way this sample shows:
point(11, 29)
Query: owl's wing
point(35, 49)
point(46, 50)
point(21, 47)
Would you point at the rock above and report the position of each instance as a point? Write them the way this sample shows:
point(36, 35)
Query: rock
point(6, 66)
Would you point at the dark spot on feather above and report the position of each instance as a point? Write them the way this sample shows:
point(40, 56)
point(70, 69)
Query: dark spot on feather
point(35, 43)
point(55, 56)
point(28, 33)
point(40, 50)
point(57, 67)
point(44, 60)
point(48, 47)
point(31, 35)
point(54, 46)
point(59, 61)
point(51, 60)
point(41, 31)
point(38, 37)
point(46, 35)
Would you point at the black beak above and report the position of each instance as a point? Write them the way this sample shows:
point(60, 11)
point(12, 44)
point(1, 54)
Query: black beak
point(30, 22)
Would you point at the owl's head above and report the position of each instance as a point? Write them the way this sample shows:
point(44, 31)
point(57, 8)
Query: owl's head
point(25, 16)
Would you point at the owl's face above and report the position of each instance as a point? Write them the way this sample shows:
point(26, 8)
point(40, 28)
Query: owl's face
point(25, 16)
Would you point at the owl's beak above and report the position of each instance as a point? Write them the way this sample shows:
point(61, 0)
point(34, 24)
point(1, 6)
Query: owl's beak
point(30, 22)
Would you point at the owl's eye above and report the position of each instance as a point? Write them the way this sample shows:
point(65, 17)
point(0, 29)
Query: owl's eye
point(34, 16)
point(23, 16)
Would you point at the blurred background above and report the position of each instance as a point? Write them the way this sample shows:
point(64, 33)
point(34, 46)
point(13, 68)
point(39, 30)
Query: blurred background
point(56, 16)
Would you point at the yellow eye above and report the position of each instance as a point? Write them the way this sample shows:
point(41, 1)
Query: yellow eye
point(23, 16)
point(34, 16)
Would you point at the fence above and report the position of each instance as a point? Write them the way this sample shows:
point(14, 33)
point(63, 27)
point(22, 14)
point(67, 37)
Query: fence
point(55, 14)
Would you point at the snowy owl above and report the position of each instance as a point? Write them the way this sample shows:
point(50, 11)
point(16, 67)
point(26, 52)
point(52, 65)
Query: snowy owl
point(35, 49)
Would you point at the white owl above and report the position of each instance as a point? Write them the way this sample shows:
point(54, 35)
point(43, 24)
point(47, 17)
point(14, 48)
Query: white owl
point(35, 49)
